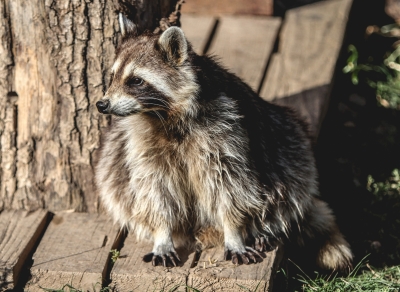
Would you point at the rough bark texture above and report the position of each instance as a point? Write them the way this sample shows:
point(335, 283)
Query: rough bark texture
point(54, 61)
point(146, 13)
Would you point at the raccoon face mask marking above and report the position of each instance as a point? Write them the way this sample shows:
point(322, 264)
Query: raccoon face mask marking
point(152, 73)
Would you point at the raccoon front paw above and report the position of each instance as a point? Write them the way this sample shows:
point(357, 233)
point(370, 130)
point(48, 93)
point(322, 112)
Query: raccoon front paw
point(162, 258)
point(245, 257)
point(264, 243)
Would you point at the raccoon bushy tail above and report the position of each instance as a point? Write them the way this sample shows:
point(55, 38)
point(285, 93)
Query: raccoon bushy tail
point(333, 251)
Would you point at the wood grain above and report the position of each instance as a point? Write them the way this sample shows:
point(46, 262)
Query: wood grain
point(8, 117)
point(131, 273)
point(59, 53)
point(197, 29)
point(55, 58)
point(212, 273)
point(224, 7)
point(244, 45)
point(74, 250)
point(19, 232)
point(303, 68)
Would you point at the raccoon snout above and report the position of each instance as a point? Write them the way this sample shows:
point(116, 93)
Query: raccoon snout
point(103, 106)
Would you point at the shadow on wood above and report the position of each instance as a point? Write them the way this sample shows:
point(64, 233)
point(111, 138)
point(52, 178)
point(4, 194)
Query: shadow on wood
point(311, 105)
point(131, 273)
point(20, 232)
point(213, 273)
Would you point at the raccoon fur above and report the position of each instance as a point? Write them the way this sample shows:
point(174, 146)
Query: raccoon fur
point(193, 153)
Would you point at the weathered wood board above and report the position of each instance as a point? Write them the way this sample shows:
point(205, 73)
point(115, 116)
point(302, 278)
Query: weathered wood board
point(244, 45)
point(75, 250)
point(301, 72)
point(131, 273)
point(197, 29)
point(224, 7)
point(212, 273)
point(19, 233)
point(55, 59)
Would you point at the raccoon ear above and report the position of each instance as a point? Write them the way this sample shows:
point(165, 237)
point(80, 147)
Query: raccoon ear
point(126, 26)
point(173, 43)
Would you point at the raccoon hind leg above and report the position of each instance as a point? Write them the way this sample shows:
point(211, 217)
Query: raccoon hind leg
point(264, 242)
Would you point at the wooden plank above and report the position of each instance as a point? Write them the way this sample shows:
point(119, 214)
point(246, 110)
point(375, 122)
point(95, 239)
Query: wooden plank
point(244, 45)
point(301, 73)
point(19, 232)
point(224, 7)
point(197, 29)
point(74, 250)
point(131, 273)
point(212, 273)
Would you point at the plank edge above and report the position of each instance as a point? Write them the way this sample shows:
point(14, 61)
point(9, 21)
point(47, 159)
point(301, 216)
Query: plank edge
point(31, 245)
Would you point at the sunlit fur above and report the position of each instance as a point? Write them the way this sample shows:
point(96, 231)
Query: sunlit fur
point(194, 153)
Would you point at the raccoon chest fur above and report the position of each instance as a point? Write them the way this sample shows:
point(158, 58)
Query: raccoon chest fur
point(187, 184)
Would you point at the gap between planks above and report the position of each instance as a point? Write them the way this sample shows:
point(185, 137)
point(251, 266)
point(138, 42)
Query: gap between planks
point(301, 73)
point(243, 44)
point(74, 250)
point(19, 233)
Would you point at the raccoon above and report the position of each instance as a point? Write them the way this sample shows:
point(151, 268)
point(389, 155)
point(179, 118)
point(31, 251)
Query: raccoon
point(195, 155)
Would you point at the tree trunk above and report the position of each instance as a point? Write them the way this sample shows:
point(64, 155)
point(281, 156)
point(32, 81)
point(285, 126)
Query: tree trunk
point(54, 65)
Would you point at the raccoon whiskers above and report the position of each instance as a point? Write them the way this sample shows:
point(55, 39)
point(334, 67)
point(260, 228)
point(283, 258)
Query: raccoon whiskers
point(163, 106)
point(145, 99)
point(158, 99)
point(162, 120)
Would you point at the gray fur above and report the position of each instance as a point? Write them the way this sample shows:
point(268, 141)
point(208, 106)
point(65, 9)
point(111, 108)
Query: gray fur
point(193, 152)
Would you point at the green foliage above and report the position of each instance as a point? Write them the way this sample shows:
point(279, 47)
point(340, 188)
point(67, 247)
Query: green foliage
point(390, 187)
point(385, 210)
point(114, 255)
point(383, 78)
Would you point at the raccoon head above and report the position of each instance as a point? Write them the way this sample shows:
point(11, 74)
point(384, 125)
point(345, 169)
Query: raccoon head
point(151, 73)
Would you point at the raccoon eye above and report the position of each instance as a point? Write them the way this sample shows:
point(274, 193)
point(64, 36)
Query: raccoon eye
point(135, 81)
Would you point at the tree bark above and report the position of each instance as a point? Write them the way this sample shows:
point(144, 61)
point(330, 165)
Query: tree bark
point(54, 65)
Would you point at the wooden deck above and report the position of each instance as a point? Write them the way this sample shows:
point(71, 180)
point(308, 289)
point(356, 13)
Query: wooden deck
point(290, 61)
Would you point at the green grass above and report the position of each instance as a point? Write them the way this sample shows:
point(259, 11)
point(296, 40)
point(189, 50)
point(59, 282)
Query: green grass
point(386, 203)
point(362, 278)
point(70, 288)
point(385, 280)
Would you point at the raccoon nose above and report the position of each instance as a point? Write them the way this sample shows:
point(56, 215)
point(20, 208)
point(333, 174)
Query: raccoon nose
point(103, 106)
